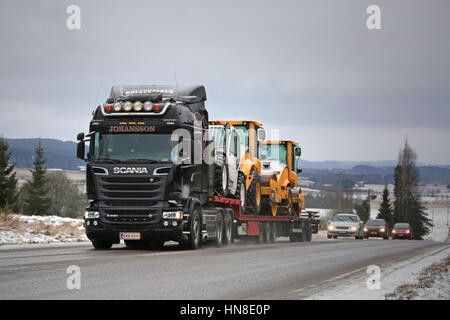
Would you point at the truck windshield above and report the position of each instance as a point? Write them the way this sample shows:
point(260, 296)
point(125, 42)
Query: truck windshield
point(131, 147)
point(273, 152)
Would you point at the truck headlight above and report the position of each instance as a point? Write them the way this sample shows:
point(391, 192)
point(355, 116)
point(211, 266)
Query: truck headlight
point(172, 215)
point(91, 214)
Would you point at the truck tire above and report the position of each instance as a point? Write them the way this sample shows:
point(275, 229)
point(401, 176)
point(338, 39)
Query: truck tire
point(101, 244)
point(268, 232)
point(309, 233)
point(220, 230)
point(222, 179)
point(195, 229)
point(254, 194)
point(228, 236)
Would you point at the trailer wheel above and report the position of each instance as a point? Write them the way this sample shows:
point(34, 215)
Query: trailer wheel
point(262, 238)
point(228, 226)
point(273, 233)
point(220, 230)
point(254, 193)
point(101, 244)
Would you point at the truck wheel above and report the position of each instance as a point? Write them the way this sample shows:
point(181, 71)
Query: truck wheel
point(101, 244)
point(268, 232)
point(196, 230)
point(222, 179)
point(254, 194)
point(228, 227)
point(219, 229)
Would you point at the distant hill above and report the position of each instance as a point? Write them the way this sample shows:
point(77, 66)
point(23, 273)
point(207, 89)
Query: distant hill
point(62, 155)
point(58, 154)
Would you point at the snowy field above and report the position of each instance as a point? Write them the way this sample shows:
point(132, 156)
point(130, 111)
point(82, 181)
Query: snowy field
point(19, 229)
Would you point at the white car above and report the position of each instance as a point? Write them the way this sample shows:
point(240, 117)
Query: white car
point(345, 224)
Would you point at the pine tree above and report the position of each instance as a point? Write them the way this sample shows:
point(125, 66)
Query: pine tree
point(8, 181)
point(407, 206)
point(36, 192)
point(363, 210)
point(385, 209)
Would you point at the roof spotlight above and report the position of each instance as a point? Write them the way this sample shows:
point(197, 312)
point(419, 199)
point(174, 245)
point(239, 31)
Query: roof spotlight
point(148, 106)
point(137, 106)
point(127, 106)
point(117, 106)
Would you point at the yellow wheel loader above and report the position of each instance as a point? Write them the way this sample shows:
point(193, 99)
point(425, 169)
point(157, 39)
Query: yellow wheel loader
point(250, 132)
point(280, 192)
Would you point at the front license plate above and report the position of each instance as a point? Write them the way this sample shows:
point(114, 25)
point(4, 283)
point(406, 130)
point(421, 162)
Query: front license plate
point(400, 234)
point(342, 231)
point(373, 233)
point(130, 236)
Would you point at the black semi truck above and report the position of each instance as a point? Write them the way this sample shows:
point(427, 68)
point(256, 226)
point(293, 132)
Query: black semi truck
point(150, 177)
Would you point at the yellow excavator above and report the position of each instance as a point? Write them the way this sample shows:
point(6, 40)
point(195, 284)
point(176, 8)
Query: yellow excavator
point(280, 192)
point(250, 133)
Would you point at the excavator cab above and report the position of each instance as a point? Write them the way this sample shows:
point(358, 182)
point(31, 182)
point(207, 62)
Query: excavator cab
point(250, 133)
point(279, 178)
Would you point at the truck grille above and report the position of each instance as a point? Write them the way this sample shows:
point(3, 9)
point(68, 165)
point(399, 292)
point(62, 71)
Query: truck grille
point(132, 189)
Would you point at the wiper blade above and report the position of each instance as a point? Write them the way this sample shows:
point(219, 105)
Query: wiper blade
point(147, 161)
point(108, 160)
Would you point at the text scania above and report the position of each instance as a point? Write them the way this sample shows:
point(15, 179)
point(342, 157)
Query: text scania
point(252, 309)
point(125, 170)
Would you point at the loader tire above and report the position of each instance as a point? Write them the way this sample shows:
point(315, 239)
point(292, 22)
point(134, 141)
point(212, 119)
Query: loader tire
point(221, 180)
point(254, 194)
point(241, 193)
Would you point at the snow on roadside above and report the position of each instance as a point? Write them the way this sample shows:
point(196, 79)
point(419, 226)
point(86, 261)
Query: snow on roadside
point(354, 287)
point(19, 229)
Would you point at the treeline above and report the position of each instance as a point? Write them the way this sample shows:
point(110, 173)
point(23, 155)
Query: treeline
point(47, 193)
point(406, 206)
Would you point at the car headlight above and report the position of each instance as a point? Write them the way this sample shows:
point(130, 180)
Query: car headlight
point(365, 229)
point(331, 227)
point(407, 231)
point(172, 215)
point(382, 230)
point(353, 228)
point(91, 214)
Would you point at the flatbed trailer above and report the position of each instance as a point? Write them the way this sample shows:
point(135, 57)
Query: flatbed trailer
point(265, 228)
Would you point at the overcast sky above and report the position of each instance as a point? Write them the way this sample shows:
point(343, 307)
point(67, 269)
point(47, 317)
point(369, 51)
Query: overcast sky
point(311, 69)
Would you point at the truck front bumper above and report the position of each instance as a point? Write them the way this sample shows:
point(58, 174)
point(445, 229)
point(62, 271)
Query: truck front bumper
point(159, 231)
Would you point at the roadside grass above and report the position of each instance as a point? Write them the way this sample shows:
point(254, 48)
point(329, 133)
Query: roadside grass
point(431, 276)
point(61, 229)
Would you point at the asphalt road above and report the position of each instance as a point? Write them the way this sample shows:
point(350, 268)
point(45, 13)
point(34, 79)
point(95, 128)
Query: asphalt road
point(239, 271)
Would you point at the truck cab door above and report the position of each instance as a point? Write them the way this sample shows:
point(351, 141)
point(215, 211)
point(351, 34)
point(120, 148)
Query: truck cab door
point(233, 155)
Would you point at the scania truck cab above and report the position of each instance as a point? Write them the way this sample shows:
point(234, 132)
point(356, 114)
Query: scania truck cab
point(146, 177)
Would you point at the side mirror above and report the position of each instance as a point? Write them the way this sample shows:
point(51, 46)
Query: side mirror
point(261, 134)
point(80, 150)
point(80, 136)
point(299, 170)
